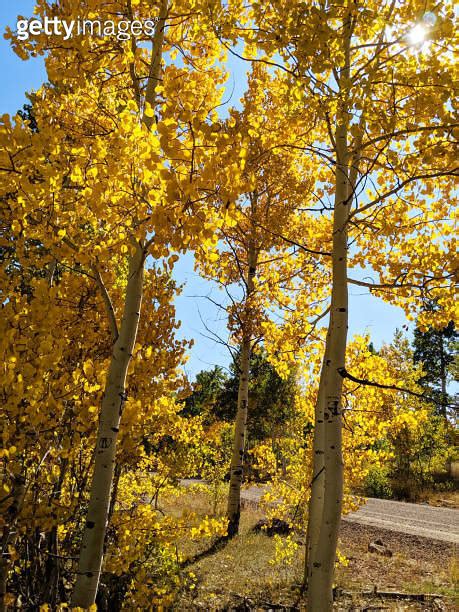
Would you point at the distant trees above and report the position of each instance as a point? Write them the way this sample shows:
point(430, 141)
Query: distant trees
point(204, 400)
point(436, 350)
point(271, 399)
point(419, 441)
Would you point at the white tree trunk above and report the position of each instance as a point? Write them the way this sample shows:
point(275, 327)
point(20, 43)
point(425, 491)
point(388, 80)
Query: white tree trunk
point(240, 429)
point(237, 460)
point(316, 499)
point(92, 548)
point(155, 63)
point(323, 555)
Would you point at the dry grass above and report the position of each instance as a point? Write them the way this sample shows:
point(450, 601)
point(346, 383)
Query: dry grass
point(447, 499)
point(418, 565)
point(241, 576)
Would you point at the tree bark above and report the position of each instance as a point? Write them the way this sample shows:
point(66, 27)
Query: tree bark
point(323, 554)
point(237, 460)
point(155, 64)
point(50, 591)
point(92, 547)
point(443, 377)
point(91, 553)
point(328, 492)
point(240, 429)
point(316, 499)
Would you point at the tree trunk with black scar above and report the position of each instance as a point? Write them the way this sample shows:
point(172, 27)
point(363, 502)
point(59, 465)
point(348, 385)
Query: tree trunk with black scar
point(92, 547)
point(323, 556)
point(240, 429)
point(443, 378)
point(316, 499)
point(91, 553)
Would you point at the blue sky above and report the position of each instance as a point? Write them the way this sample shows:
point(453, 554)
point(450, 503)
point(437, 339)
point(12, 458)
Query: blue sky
point(367, 313)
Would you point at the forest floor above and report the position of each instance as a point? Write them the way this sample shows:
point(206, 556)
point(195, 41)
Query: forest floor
point(241, 575)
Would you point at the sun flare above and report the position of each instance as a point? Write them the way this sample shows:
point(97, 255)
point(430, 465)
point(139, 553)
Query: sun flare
point(417, 35)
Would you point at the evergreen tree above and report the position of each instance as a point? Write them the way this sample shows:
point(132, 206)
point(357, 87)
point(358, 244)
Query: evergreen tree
point(436, 349)
point(206, 391)
point(271, 398)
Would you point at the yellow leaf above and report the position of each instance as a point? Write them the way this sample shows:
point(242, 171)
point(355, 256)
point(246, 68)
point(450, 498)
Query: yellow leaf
point(88, 368)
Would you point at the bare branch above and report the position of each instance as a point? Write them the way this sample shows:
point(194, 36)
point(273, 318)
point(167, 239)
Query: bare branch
point(363, 381)
point(400, 186)
point(108, 305)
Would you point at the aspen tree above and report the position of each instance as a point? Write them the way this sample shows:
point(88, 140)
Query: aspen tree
point(322, 552)
point(240, 426)
point(259, 165)
point(116, 190)
point(92, 546)
point(378, 80)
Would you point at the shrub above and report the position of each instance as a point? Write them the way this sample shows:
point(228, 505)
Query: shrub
point(377, 483)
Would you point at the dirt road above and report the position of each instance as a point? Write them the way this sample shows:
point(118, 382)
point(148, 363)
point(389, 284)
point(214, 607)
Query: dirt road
point(431, 522)
point(413, 519)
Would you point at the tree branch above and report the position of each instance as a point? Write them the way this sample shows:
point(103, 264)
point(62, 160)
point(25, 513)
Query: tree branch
point(108, 305)
point(155, 66)
point(363, 381)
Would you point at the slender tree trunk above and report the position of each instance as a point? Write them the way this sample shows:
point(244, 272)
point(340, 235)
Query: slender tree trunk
point(4, 567)
point(316, 499)
point(52, 569)
point(91, 553)
point(329, 461)
point(443, 376)
point(237, 460)
point(155, 63)
point(50, 590)
point(323, 555)
point(92, 548)
point(240, 430)
point(114, 495)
